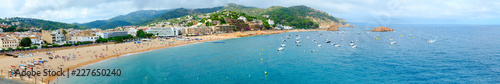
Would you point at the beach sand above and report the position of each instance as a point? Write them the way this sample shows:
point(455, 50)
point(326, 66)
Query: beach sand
point(85, 55)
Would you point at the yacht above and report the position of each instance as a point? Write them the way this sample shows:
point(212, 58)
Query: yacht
point(394, 42)
point(281, 48)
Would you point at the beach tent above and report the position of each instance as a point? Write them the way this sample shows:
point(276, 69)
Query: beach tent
point(138, 41)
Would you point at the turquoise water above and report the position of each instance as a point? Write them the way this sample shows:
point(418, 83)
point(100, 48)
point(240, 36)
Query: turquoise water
point(459, 54)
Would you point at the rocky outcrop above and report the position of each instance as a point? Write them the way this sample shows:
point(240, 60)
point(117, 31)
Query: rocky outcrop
point(382, 29)
point(333, 28)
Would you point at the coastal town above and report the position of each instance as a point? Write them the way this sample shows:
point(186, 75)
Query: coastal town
point(38, 49)
point(191, 25)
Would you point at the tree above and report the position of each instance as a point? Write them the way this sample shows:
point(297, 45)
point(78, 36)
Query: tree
point(10, 49)
point(64, 32)
point(25, 42)
point(140, 34)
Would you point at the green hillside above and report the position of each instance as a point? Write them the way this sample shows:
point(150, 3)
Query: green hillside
point(44, 24)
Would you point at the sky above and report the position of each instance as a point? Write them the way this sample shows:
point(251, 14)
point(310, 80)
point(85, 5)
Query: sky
point(358, 11)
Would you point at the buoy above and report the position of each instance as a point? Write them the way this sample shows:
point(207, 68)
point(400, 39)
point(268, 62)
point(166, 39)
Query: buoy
point(265, 73)
point(158, 62)
point(376, 38)
point(268, 46)
point(412, 37)
point(146, 77)
point(197, 79)
point(139, 61)
point(400, 35)
point(261, 59)
point(259, 53)
point(199, 62)
point(217, 62)
point(248, 75)
point(227, 78)
point(235, 61)
point(165, 78)
point(262, 49)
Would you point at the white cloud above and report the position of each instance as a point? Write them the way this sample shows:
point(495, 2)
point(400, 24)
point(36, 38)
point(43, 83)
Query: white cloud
point(398, 11)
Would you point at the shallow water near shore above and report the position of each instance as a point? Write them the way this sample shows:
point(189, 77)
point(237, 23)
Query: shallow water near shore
point(459, 54)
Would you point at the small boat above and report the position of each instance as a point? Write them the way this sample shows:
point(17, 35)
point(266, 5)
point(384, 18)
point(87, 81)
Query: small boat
point(351, 44)
point(288, 37)
point(314, 39)
point(319, 45)
point(355, 46)
point(307, 37)
point(334, 44)
point(327, 41)
point(315, 42)
point(298, 37)
point(430, 41)
point(284, 40)
point(337, 45)
point(297, 41)
point(394, 42)
point(299, 44)
point(281, 48)
point(283, 45)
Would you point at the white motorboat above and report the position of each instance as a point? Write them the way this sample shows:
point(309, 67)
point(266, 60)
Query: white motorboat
point(315, 42)
point(283, 45)
point(297, 41)
point(299, 44)
point(351, 44)
point(355, 46)
point(319, 45)
point(333, 44)
point(281, 48)
point(337, 45)
point(394, 42)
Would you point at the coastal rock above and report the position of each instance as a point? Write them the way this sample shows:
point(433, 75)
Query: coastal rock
point(382, 29)
point(333, 28)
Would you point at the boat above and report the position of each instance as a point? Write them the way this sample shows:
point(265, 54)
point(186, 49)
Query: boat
point(284, 40)
point(315, 42)
point(351, 44)
point(355, 46)
point(297, 41)
point(299, 44)
point(314, 39)
point(337, 45)
point(394, 42)
point(327, 41)
point(298, 37)
point(334, 44)
point(288, 37)
point(430, 41)
point(281, 48)
point(307, 37)
point(319, 45)
point(283, 45)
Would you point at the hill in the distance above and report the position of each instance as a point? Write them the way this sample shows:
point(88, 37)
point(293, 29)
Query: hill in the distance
point(136, 17)
point(298, 16)
point(39, 23)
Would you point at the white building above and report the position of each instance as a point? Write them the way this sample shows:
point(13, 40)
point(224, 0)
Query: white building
point(132, 31)
point(242, 18)
point(270, 22)
point(75, 39)
point(112, 34)
point(165, 31)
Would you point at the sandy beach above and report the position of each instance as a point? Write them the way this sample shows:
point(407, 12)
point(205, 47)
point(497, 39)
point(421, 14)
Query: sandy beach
point(78, 57)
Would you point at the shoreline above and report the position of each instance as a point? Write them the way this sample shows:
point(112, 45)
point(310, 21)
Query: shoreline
point(79, 63)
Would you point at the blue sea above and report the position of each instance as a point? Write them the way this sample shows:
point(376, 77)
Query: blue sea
point(457, 54)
